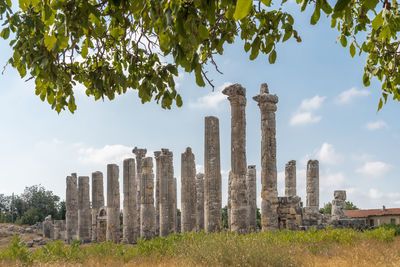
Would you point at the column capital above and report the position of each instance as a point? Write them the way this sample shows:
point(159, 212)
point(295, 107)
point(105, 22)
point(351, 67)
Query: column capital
point(265, 97)
point(235, 93)
point(139, 152)
point(157, 154)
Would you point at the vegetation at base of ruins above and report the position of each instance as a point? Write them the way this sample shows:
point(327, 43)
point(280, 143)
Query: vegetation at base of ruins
point(328, 207)
point(112, 46)
point(222, 249)
point(31, 206)
point(225, 218)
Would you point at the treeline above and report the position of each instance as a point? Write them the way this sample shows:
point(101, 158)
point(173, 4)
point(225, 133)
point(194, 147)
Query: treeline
point(32, 206)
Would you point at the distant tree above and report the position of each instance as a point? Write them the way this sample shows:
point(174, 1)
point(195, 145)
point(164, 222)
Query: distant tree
point(225, 224)
point(258, 218)
point(327, 209)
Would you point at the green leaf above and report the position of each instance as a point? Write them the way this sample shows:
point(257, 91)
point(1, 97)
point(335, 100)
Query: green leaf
point(84, 50)
point(287, 35)
point(352, 50)
point(272, 57)
point(242, 9)
point(380, 104)
point(370, 4)
point(343, 41)
point(326, 7)
point(341, 5)
point(315, 16)
point(266, 2)
point(247, 46)
point(199, 76)
point(203, 32)
point(178, 100)
point(5, 33)
point(49, 41)
point(377, 21)
point(366, 80)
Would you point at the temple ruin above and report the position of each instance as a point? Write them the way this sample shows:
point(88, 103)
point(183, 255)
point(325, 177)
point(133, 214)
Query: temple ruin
point(150, 197)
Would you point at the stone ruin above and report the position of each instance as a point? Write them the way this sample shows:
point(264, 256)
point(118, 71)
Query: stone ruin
point(150, 196)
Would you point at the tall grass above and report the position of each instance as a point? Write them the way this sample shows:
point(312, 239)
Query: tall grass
point(281, 248)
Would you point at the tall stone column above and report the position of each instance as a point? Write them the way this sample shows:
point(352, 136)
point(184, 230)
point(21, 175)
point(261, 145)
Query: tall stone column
point(129, 229)
point(175, 204)
point(251, 183)
point(140, 153)
point(158, 170)
point(339, 205)
point(113, 204)
point(188, 191)
point(199, 202)
point(84, 215)
point(97, 200)
point(147, 212)
point(290, 179)
point(212, 176)
point(166, 193)
point(312, 186)
point(71, 205)
point(229, 200)
point(238, 197)
point(269, 191)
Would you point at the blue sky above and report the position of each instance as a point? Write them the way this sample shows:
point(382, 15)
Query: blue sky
point(324, 112)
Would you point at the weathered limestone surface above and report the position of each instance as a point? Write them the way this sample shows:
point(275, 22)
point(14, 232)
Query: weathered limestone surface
point(140, 153)
point(238, 195)
point(229, 200)
point(166, 193)
point(129, 229)
point(290, 178)
point(97, 200)
point(290, 213)
point(212, 176)
point(147, 211)
point(269, 192)
point(251, 183)
point(84, 214)
point(59, 230)
point(102, 225)
point(71, 205)
point(312, 181)
point(188, 191)
point(48, 228)
point(113, 204)
point(339, 205)
point(199, 202)
point(158, 170)
point(175, 209)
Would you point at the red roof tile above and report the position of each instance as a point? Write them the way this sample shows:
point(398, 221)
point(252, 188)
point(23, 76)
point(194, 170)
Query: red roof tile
point(372, 212)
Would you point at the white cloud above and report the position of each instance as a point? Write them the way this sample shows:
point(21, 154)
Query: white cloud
point(374, 168)
point(347, 96)
point(212, 100)
point(332, 181)
point(304, 114)
point(302, 118)
point(327, 154)
point(375, 125)
point(105, 155)
point(374, 193)
point(312, 103)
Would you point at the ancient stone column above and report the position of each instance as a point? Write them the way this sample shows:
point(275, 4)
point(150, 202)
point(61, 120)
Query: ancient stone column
point(84, 214)
point(166, 193)
point(199, 202)
point(147, 211)
point(48, 227)
point(113, 204)
point(129, 229)
point(102, 225)
point(97, 200)
point(158, 170)
point(71, 205)
point(212, 176)
point(238, 195)
point(175, 204)
point(140, 153)
point(339, 205)
point(269, 191)
point(188, 191)
point(59, 230)
point(251, 183)
point(229, 200)
point(290, 178)
point(312, 186)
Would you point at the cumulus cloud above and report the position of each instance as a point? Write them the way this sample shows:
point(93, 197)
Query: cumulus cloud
point(375, 125)
point(327, 154)
point(105, 155)
point(212, 100)
point(332, 180)
point(374, 193)
point(374, 168)
point(347, 96)
point(304, 114)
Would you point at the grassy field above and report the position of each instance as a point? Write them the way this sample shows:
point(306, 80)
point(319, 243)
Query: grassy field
point(379, 247)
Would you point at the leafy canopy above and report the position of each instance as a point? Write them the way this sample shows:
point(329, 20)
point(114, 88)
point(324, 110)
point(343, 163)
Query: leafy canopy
point(112, 46)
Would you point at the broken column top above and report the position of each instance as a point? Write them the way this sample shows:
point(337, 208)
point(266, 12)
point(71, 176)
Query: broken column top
point(339, 194)
point(157, 154)
point(265, 96)
point(234, 90)
point(200, 176)
point(139, 152)
point(166, 152)
point(251, 167)
point(312, 163)
point(188, 150)
point(129, 159)
point(147, 162)
point(291, 163)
